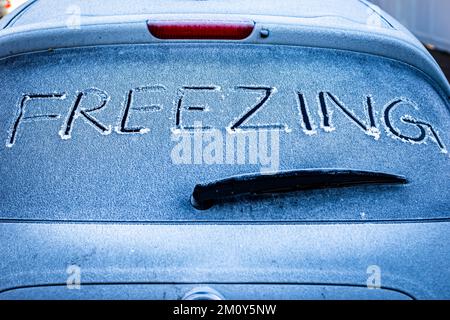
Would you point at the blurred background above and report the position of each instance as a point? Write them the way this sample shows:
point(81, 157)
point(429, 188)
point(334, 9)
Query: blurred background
point(429, 20)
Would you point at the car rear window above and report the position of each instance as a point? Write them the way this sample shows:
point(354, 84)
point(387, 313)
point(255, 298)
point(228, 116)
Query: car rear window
point(124, 133)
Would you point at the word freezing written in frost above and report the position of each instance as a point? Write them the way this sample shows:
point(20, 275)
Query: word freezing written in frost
point(326, 101)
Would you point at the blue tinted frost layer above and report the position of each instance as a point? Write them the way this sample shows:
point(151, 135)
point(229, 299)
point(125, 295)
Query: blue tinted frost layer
point(125, 186)
point(347, 12)
point(131, 176)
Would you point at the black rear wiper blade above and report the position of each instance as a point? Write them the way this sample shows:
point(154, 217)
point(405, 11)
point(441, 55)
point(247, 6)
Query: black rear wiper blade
point(206, 195)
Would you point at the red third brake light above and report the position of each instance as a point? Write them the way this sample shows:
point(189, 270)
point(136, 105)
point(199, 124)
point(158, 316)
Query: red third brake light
point(201, 30)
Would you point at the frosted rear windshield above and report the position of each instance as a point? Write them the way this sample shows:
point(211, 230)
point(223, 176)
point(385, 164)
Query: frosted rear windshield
point(125, 133)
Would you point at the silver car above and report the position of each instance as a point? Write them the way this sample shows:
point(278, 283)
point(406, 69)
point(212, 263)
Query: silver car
point(221, 150)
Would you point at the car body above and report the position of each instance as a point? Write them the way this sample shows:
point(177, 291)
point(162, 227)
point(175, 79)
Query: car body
point(103, 102)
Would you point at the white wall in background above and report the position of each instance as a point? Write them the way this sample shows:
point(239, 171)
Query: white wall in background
point(429, 20)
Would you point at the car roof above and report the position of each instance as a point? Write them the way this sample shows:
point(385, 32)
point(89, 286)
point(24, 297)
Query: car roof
point(346, 11)
point(354, 25)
